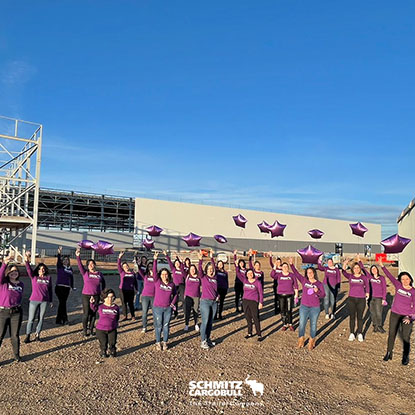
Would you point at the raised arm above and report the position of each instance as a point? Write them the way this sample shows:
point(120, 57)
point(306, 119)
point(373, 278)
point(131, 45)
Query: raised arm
point(155, 273)
point(297, 275)
point(392, 279)
point(120, 270)
point(81, 267)
point(59, 263)
point(274, 274)
point(364, 270)
point(27, 265)
point(320, 265)
point(3, 271)
point(171, 265)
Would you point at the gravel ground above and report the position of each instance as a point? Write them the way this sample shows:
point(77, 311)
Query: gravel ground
point(63, 375)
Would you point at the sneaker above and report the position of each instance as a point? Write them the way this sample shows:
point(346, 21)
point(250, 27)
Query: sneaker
point(352, 337)
point(360, 337)
point(381, 329)
point(260, 338)
point(27, 339)
point(197, 328)
point(284, 328)
point(248, 336)
point(204, 345)
point(332, 316)
point(143, 330)
point(164, 346)
point(37, 338)
point(158, 346)
point(211, 343)
point(113, 354)
point(186, 328)
point(327, 316)
point(103, 355)
point(291, 327)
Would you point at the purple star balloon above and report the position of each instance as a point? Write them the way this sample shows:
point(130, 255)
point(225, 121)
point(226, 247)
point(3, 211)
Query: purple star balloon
point(148, 243)
point(316, 233)
point(277, 229)
point(85, 244)
point(192, 239)
point(221, 239)
point(239, 220)
point(395, 244)
point(154, 230)
point(103, 248)
point(263, 227)
point(358, 229)
point(310, 255)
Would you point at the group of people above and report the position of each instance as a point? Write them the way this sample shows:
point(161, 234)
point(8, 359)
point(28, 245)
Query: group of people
point(202, 288)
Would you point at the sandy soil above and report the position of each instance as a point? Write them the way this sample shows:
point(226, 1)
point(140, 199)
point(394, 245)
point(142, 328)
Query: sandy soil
point(60, 375)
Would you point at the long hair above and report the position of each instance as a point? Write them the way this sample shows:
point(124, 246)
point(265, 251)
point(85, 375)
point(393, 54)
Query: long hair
point(314, 272)
point(105, 293)
point(168, 274)
point(36, 270)
point(401, 274)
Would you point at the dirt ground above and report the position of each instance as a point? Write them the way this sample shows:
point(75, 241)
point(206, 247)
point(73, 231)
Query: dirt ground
point(60, 375)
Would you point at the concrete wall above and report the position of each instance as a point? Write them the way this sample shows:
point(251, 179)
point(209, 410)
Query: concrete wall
point(178, 219)
point(406, 228)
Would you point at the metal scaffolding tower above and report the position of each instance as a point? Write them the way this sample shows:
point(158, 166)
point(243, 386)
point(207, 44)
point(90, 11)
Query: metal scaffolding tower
point(20, 160)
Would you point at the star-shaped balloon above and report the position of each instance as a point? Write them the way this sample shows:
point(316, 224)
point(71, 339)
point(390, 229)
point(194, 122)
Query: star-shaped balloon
point(103, 248)
point(148, 243)
point(263, 227)
point(277, 229)
point(310, 255)
point(154, 230)
point(85, 244)
point(192, 239)
point(221, 239)
point(316, 233)
point(358, 229)
point(395, 244)
point(239, 220)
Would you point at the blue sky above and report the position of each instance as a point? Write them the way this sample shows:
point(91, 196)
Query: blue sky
point(293, 106)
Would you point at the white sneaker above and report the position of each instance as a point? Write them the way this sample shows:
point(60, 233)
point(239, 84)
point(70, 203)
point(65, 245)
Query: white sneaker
point(186, 328)
point(360, 337)
point(211, 343)
point(143, 330)
point(204, 345)
point(332, 316)
point(197, 328)
point(327, 316)
point(352, 337)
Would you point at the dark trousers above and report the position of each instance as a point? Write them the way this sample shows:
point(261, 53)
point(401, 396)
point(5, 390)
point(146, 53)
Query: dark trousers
point(222, 294)
point(89, 316)
point(376, 309)
point(252, 313)
point(286, 307)
point(180, 297)
point(107, 339)
point(276, 297)
point(394, 322)
point(127, 299)
point(62, 293)
point(191, 306)
point(12, 320)
point(356, 310)
point(239, 290)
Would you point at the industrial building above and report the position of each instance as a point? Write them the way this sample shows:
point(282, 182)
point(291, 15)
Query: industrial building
point(406, 228)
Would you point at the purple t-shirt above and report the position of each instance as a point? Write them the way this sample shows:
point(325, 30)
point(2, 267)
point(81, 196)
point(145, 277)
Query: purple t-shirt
point(64, 274)
point(192, 286)
point(378, 285)
point(252, 290)
point(332, 276)
point(41, 286)
point(164, 294)
point(309, 297)
point(404, 300)
point(359, 285)
point(209, 284)
point(128, 280)
point(286, 283)
point(178, 275)
point(10, 293)
point(93, 281)
point(108, 316)
point(238, 269)
point(148, 290)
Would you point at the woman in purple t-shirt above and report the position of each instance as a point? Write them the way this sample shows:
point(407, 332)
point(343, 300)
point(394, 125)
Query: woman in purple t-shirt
point(109, 315)
point(191, 297)
point(41, 296)
point(11, 292)
point(402, 312)
point(358, 294)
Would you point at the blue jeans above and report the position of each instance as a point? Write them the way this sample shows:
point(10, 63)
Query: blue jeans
point(162, 317)
point(33, 305)
point(306, 313)
point(146, 303)
point(140, 286)
point(207, 312)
